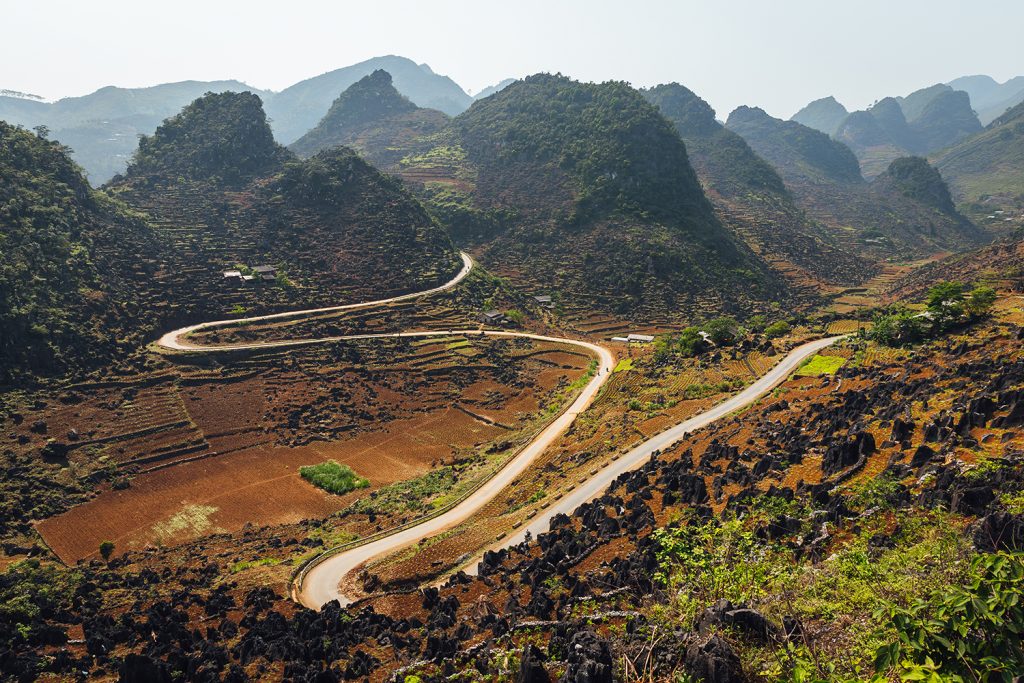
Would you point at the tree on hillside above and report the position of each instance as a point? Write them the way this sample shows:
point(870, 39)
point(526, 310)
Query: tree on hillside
point(980, 301)
point(722, 330)
point(106, 550)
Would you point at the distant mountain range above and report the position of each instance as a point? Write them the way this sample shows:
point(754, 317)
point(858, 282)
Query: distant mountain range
point(374, 119)
point(906, 209)
point(923, 123)
point(102, 128)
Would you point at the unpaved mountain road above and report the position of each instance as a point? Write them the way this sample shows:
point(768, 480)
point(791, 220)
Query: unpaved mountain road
point(320, 582)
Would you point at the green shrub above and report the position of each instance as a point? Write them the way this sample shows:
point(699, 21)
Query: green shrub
point(333, 476)
point(777, 329)
point(963, 633)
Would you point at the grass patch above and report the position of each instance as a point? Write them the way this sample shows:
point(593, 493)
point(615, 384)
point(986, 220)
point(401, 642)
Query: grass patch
point(334, 477)
point(193, 520)
point(414, 495)
point(820, 365)
point(624, 365)
point(249, 564)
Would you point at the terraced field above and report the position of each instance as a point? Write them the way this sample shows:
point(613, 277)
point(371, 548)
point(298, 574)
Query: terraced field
point(229, 444)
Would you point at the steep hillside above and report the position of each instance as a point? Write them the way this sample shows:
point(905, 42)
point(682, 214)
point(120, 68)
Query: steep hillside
point(945, 120)
point(74, 265)
point(297, 109)
point(986, 171)
point(102, 128)
point(749, 195)
point(824, 115)
point(921, 123)
point(798, 152)
point(227, 197)
point(988, 97)
point(891, 216)
point(220, 137)
point(585, 190)
point(374, 119)
point(878, 136)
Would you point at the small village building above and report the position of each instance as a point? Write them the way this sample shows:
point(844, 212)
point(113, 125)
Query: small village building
point(233, 277)
point(634, 339)
point(492, 317)
point(544, 300)
point(265, 272)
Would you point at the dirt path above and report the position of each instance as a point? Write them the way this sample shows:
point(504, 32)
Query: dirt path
point(320, 581)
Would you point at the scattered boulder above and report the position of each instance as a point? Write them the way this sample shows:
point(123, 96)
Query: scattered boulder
point(714, 661)
point(531, 666)
point(141, 669)
point(589, 660)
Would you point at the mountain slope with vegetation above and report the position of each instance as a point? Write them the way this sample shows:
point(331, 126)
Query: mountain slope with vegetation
point(297, 109)
point(73, 265)
point(587, 190)
point(990, 98)
point(749, 194)
point(886, 217)
point(102, 128)
point(373, 118)
point(798, 152)
point(985, 171)
point(923, 122)
point(227, 197)
point(824, 115)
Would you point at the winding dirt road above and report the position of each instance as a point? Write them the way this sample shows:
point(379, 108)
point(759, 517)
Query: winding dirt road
point(320, 582)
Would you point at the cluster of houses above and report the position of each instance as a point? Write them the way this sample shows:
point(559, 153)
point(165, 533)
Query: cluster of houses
point(263, 273)
point(495, 317)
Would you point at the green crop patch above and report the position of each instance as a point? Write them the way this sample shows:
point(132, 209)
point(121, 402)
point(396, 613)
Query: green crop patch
point(820, 365)
point(334, 477)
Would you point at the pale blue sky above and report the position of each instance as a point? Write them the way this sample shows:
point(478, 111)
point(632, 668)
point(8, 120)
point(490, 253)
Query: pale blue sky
point(777, 54)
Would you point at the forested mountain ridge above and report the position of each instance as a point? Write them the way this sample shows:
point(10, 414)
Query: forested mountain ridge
point(587, 189)
point(373, 118)
point(748, 192)
point(985, 171)
point(923, 122)
point(73, 265)
point(891, 216)
point(795, 150)
point(220, 137)
point(297, 109)
point(226, 197)
point(824, 115)
point(990, 98)
point(102, 128)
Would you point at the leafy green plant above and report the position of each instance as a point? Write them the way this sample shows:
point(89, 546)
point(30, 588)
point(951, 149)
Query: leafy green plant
point(333, 476)
point(777, 329)
point(964, 633)
point(703, 562)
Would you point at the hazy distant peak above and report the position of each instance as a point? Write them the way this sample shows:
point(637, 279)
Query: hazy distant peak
point(825, 115)
point(492, 89)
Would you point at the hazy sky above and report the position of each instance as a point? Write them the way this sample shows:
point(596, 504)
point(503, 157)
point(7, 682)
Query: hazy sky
point(777, 54)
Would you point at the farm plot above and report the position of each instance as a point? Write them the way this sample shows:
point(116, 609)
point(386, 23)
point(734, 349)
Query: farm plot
point(389, 423)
